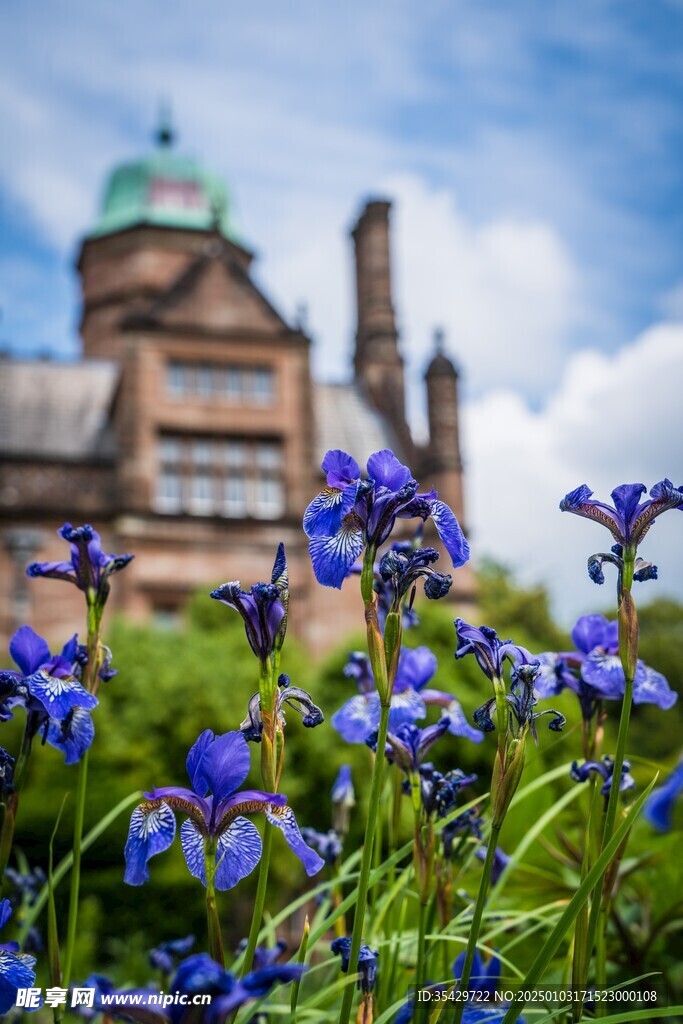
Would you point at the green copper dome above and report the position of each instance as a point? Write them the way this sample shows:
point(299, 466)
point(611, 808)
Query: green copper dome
point(164, 189)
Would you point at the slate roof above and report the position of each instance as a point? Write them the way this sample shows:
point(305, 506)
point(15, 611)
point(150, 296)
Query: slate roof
point(57, 410)
point(345, 420)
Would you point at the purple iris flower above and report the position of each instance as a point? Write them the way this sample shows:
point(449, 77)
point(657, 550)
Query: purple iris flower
point(490, 651)
point(47, 686)
point(594, 670)
point(89, 567)
point(629, 519)
point(367, 962)
point(659, 806)
point(488, 1009)
point(605, 770)
point(287, 696)
point(263, 608)
point(409, 745)
point(328, 844)
point(165, 957)
point(521, 701)
point(466, 824)
point(216, 766)
point(352, 513)
point(439, 791)
point(196, 976)
point(401, 568)
point(359, 717)
point(17, 970)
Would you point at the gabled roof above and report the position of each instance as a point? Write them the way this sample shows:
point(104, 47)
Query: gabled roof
point(57, 410)
point(214, 292)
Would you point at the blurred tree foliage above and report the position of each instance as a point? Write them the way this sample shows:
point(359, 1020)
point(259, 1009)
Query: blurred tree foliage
point(173, 684)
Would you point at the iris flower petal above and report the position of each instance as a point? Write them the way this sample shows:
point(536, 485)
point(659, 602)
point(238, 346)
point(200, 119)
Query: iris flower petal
point(283, 818)
point(238, 851)
point(59, 696)
point(450, 532)
point(333, 557)
point(29, 650)
point(73, 735)
point(224, 764)
point(152, 830)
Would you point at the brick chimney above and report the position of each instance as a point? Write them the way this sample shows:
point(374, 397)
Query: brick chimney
point(443, 454)
point(378, 363)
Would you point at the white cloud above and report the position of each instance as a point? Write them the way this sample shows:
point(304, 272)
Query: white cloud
point(612, 420)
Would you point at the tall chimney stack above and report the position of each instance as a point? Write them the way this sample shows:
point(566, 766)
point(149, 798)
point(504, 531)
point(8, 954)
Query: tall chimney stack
point(378, 363)
point(443, 454)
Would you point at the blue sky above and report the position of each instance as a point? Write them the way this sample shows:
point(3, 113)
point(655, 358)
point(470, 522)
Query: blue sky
point(534, 152)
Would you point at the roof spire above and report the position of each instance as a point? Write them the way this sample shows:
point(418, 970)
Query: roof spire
point(164, 134)
point(439, 338)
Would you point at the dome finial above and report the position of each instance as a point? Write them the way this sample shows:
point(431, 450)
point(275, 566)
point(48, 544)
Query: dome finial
point(164, 134)
point(439, 338)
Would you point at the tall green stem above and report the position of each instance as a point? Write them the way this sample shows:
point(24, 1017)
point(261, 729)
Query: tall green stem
point(212, 920)
point(269, 775)
point(91, 684)
point(76, 869)
point(628, 652)
point(421, 1008)
point(475, 927)
point(366, 861)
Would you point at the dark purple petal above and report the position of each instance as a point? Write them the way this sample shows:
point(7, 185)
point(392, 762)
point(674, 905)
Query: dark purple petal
point(452, 709)
point(28, 650)
point(652, 688)
point(357, 718)
point(238, 851)
point(194, 760)
point(450, 532)
point(72, 735)
point(386, 471)
point(59, 696)
point(333, 557)
point(626, 499)
point(416, 666)
point(323, 517)
point(225, 764)
point(340, 468)
point(182, 799)
point(16, 971)
point(52, 570)
point(283, 818)
point(152, 829)
point(659, 806)
point(591, 631)
point(247, 801)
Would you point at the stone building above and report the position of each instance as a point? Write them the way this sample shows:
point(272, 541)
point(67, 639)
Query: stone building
point(191, 431)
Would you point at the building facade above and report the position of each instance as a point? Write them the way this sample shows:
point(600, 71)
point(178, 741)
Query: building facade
point(191, 431)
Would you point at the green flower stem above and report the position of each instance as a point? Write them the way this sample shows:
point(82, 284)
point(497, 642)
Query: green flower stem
point(421, 1008)
point(95, 610)
point(628, 652)
point(366, 862)
point(269, 777)
point(475, 927)
point(12, 804)
point(76, 869)
point(212, 919)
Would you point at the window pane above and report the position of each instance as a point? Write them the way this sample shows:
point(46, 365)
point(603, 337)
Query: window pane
point(269, 457)
point(204, 380)
point(169, 491)
point(233, 382)
point(262, 384)
point(169, 450)
point(202, 452)
point(235, 454)
point(176, 378)
point(234, 496)
point(269, 502)
point(202, 493)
